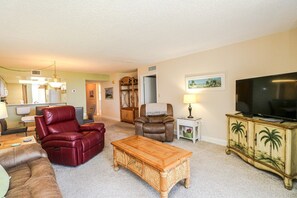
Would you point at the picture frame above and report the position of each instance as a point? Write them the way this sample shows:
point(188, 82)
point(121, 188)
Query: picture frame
point(109, 93)
point(205, 82)
point(91, 93)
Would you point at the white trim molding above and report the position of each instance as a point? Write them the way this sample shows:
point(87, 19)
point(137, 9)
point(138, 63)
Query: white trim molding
point(214, 140)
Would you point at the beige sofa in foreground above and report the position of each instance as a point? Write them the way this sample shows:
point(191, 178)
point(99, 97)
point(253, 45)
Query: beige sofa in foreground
point(31, 172)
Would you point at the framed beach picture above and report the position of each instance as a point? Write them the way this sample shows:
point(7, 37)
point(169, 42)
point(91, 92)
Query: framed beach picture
point(109, 93)
point(211, 82)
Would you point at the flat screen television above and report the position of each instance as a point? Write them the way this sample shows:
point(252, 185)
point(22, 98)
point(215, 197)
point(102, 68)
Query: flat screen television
point(272, 96)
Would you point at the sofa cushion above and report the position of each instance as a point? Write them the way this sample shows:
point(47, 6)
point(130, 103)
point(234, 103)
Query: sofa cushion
point(156, 119)
point(157, 136)
point(23, 173)
point(67, 126)
point(55, 115)
point(4, 181)
point(16, 156)
point(154, 128)
point(60, 119)
point(37, 187)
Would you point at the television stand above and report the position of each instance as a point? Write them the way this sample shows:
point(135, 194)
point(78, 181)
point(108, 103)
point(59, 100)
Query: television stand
point(267, 145)
point(272, 120)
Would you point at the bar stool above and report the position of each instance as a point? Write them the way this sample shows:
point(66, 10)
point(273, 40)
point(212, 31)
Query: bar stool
point(23, 111)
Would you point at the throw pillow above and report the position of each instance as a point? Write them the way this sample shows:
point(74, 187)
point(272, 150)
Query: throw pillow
point(4, 181)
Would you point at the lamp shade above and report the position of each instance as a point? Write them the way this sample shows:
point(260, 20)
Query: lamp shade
point(3, 110)
point(55, 83)
point(190, 98)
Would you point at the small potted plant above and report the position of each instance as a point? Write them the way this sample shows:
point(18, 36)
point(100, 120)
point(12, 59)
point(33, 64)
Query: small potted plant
point(188, 133)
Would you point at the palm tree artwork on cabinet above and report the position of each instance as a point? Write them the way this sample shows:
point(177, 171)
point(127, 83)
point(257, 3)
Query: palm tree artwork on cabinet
point(274, 139)
point(238, 129)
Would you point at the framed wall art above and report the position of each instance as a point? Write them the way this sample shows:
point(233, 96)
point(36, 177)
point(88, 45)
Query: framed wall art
point(211, 82)
point(109, 93)
point(91, 93)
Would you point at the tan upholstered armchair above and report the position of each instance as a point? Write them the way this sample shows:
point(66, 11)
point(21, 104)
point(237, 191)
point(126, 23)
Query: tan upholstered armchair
point(156, 122)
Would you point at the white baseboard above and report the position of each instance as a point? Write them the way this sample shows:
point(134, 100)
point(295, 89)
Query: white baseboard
point(214, 140)
point(211, 140)
point(111, 118)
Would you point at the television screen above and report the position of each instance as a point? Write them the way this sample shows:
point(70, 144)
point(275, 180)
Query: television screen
point(269, 96)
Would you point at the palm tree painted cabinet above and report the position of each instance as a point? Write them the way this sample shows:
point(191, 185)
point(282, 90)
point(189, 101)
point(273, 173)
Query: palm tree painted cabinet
point(238, 137)
point(266, 145)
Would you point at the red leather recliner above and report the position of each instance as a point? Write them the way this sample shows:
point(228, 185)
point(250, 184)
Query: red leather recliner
point(65, 141)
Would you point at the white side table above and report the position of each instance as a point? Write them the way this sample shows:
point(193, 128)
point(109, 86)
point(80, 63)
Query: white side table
point(190, 124)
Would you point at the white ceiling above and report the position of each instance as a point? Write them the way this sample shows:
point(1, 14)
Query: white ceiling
point(106, 36)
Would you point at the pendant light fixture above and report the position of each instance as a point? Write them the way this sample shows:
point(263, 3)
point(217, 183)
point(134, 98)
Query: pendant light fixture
point(55, 82)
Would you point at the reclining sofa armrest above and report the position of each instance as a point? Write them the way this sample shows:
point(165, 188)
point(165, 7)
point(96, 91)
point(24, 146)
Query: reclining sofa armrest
point(168, 119)
point(41, 127)
point(142, 120)
point(93, 127)
point(66, 136)
point(17, 155)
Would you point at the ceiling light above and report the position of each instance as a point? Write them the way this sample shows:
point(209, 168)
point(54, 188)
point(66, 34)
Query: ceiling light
point(37, 82)
point(37, 78)
point(55, 82)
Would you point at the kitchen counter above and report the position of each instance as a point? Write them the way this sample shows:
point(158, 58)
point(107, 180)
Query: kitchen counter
point(14, 120)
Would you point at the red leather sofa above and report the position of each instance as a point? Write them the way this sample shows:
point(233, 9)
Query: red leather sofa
point(65, 141)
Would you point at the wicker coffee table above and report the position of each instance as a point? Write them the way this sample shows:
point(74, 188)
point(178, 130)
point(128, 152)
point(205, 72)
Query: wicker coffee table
point(160, 165)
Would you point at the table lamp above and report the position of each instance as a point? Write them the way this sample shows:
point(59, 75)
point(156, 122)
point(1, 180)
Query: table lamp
point(190, 99)
point(3, 112)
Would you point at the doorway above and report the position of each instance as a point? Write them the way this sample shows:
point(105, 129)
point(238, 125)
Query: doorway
point(149, 92)
point(93, 98)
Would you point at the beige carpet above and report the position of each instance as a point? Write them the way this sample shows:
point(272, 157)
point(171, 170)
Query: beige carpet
point(213, 174)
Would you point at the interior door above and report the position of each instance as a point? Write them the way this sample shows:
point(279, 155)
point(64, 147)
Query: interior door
point(92, 98)
point(149, 89)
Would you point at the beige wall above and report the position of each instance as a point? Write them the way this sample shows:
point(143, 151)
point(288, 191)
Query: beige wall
point(15, 95)
point(111, 107)
point(263, 56)
point(77, 82)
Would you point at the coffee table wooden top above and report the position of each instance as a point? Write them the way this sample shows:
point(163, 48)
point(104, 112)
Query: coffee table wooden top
point(159, 155)
point(9, 141)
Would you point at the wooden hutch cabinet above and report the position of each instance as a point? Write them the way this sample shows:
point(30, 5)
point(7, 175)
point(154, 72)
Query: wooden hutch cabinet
point(271, 146)
point(129, 99)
